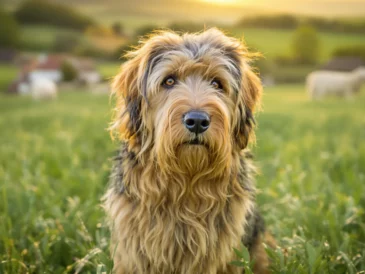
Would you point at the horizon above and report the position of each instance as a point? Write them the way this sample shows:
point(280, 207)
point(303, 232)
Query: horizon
point(224, 11)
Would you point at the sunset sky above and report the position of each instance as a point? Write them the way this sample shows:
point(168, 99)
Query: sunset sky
point(141, 12)
point(318, 7)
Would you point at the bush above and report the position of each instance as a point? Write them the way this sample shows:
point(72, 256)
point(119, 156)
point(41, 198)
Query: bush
point(351, 51)
point(306, 45)
point(43, 12)
point(69, 72)
point(9, 31)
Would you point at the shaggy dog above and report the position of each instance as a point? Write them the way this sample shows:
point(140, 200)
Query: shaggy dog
point(181, 196)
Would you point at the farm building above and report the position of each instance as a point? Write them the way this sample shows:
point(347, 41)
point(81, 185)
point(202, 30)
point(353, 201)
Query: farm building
point(50, 67)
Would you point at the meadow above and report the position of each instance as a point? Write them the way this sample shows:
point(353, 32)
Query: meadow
point(270, 43)
point(56, 156)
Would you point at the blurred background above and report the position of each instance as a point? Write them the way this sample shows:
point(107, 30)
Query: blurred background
point(83, 41)
point(56, 60)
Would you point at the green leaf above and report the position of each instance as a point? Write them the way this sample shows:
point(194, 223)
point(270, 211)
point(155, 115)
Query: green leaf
point(245, 253)
point(238, 253)
point(238, 263)
point(312, 256)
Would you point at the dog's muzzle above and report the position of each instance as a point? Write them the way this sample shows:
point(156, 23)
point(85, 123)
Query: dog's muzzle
point(196, 121)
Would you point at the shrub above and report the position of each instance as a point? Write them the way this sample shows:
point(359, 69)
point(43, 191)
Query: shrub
point(69, 72)
point(43, 12)
point(306, 45)
point(351, 51)
point(9, 31)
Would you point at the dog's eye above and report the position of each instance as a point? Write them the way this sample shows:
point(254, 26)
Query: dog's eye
point(169, 82)
point(216, 84)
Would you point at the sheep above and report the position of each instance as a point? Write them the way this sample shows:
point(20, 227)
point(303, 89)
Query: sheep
point(322, 83)
point(43, 89)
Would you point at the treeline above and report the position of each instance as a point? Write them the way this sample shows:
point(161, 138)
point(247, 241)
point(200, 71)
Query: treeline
point(353, 51)
point(286, 21)
point(45, 12)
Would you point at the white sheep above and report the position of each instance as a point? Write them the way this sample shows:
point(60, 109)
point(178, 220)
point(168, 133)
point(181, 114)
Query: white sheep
point(43, 89)
point(323, 83)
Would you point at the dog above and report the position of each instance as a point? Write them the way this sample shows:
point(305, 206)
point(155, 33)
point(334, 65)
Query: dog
point(182, 194)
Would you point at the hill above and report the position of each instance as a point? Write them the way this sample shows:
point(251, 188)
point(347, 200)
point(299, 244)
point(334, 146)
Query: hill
point(161, 11)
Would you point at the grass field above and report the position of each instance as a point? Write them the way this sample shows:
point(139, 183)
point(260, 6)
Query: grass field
point(278, 42)
point(8, 74)
point(55, 160)
point(42, 37)
point(271, 43)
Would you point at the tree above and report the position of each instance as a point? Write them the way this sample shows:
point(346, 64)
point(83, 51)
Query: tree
point(306, 45)
point(69, 72)
point(9, 31)
point(57, 14)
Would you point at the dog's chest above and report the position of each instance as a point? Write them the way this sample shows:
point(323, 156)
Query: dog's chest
point(182, 240)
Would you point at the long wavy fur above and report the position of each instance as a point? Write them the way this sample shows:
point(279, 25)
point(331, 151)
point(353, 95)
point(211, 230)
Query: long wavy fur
point(177, 208)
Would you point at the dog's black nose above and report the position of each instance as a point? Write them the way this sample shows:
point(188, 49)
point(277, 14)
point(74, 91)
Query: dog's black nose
point(196, 121)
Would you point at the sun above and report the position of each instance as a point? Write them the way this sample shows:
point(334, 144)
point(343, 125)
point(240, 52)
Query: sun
point(224, 2)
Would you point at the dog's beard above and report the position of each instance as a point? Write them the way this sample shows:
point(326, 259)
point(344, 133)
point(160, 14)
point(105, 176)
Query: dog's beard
point(191, 155)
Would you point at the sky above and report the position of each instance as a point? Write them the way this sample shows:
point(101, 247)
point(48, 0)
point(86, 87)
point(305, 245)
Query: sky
point(308, 7)
point(142, 12)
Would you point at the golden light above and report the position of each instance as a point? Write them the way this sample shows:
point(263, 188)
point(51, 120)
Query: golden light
point(223, 2)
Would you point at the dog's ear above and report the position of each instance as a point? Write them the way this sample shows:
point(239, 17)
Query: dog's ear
point(125, 88)
point(249, 99)
point(129, 87)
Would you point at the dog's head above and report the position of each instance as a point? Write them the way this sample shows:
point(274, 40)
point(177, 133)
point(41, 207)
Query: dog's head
point(188, 100)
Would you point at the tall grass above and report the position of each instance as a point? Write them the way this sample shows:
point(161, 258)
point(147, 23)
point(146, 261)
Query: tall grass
point(55, 161)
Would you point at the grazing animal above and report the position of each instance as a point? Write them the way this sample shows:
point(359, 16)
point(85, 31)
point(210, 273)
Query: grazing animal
point(324, 83)
point(182, 193)
point(43, 89)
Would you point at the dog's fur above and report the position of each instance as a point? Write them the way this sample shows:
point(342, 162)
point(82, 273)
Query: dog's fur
point(176, 207)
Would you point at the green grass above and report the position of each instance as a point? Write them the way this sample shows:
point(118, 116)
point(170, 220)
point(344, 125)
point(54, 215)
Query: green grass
point(271, 43)
point(8, 74)
point(278, 42)
point(55, 160)
point(42, 37)
point(108, 69)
